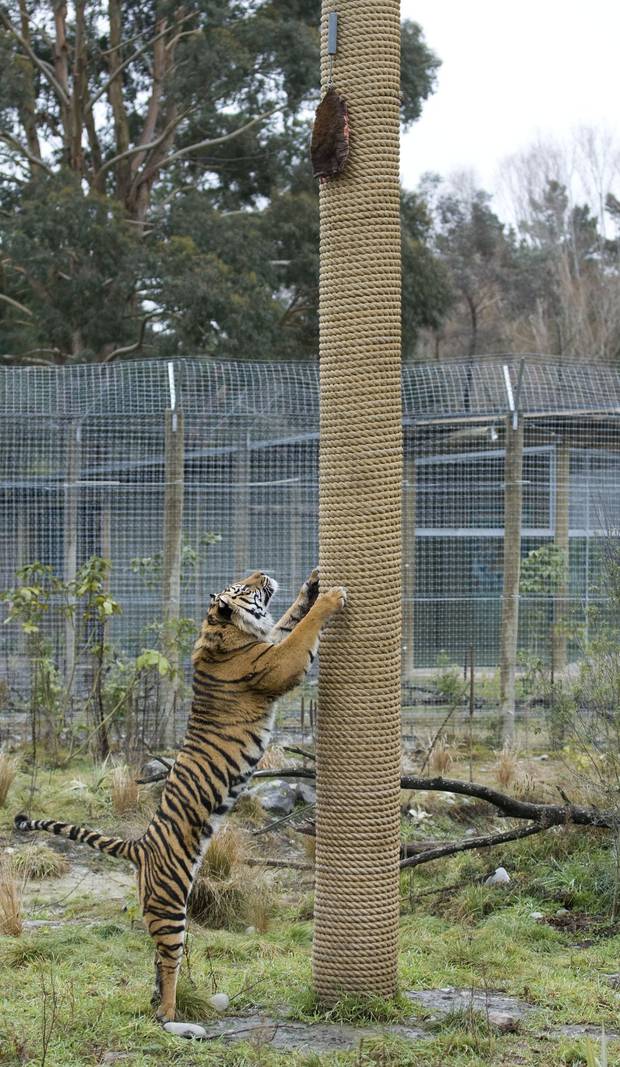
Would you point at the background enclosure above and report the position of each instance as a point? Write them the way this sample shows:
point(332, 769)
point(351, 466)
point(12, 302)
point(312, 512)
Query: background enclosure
point(83, 453)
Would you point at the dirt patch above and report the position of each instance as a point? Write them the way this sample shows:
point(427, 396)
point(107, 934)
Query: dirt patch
point(109, 884)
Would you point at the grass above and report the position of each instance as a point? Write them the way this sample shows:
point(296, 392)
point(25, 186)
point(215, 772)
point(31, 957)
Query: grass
point(124, 790)
point(96, 972)
point(507, 766)
point(10, 899)
point(8, 771)
point(227, 894)
point(39, 861)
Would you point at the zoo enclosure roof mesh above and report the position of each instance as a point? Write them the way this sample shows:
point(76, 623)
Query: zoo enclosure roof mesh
point(451, 391)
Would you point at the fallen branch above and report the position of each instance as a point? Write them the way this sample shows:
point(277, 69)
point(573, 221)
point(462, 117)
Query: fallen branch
point(545, 814)
point(550, 814)
point(287, 772)
point(278, 822)
point(472, 842)
point(279, 863)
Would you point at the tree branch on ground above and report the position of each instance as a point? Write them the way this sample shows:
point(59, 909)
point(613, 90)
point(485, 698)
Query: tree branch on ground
point(488, 841)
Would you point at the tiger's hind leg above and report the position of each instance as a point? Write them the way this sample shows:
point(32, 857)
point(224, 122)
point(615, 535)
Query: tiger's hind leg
point(156, 997)
point(169, 937)
point(164, 908)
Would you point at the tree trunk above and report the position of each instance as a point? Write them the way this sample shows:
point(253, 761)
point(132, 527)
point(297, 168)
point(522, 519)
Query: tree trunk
point(561, 541)
point(171, 578)
point(513, 503)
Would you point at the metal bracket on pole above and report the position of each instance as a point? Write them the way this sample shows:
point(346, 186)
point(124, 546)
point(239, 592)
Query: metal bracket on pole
point(512, 408)
point(173, 396)
point(332, 43)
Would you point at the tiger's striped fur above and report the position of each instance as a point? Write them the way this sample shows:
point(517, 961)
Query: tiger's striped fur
point(242, 662)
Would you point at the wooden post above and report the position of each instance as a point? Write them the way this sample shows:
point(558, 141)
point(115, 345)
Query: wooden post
point(171, 577)
point(409, 546)
point(472, 702)
point(241, 484)
point(105, 534)
point(70, 531)
point(513, 505)
point(561, 541)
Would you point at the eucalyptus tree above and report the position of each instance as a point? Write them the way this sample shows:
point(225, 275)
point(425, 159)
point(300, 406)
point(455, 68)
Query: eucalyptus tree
point(152, 192)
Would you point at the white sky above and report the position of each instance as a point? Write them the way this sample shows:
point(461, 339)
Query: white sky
point(511, 73)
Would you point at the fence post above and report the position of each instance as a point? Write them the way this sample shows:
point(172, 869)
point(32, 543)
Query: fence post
point(241, 488)
point(171, 572)
point(70, 537)
point(513, 506)
point(561, 540)
point(409, 545)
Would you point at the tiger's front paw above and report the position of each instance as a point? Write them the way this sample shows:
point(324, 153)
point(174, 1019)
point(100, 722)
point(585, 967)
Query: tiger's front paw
point(310, 588)
point(335, 598)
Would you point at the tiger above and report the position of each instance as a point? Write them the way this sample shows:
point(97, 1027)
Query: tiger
point(242, 662)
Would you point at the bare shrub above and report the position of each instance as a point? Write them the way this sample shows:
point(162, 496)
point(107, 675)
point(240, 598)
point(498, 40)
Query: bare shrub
point(226, 893)
point(8, 770)
point(124, 790)
point(11, 889)
point(440, 759)
point(507, 766)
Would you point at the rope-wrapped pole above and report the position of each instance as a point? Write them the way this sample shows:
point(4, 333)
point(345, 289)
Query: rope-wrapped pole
point(358, 740)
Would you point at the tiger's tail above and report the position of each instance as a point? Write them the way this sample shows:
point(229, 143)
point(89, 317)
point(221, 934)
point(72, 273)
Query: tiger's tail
point(112, 846)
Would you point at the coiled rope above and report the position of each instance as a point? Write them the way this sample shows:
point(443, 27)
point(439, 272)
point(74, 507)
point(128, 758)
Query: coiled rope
point(358, 740)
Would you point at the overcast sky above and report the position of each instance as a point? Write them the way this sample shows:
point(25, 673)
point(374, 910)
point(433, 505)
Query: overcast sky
point(511, 72)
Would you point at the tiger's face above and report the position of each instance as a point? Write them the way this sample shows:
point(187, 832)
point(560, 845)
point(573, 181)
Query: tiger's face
point(244, 604)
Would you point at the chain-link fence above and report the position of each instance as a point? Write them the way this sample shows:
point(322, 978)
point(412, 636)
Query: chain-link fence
point(98, 460)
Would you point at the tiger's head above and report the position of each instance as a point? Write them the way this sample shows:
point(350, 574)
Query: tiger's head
point(244, 605)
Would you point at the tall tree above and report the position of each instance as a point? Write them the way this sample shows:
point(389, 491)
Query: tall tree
point(152, 196)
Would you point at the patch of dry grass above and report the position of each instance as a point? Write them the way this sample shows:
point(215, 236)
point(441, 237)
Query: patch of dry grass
point(40, 861)
point(441, 757)
point(11, 889)
point(507, 766)
point(226, 893)
point(124, 790)
point(8, 770)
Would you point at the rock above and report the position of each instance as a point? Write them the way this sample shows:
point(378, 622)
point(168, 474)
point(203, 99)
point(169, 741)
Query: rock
point(115, 1057)
point(153, 770)
point(276, 797)
point(306, 793)
point(418, 815)
point(543, 757)
point(613, 980)
point(219, 1001)
point(505, 1021)
point(189, 1030)
point(492, 1004)
point(537, 915)
point(499, 877)
point(562, 911)
point(250, 929)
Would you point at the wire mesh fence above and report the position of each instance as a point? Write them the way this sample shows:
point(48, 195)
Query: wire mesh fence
point(87, 468)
